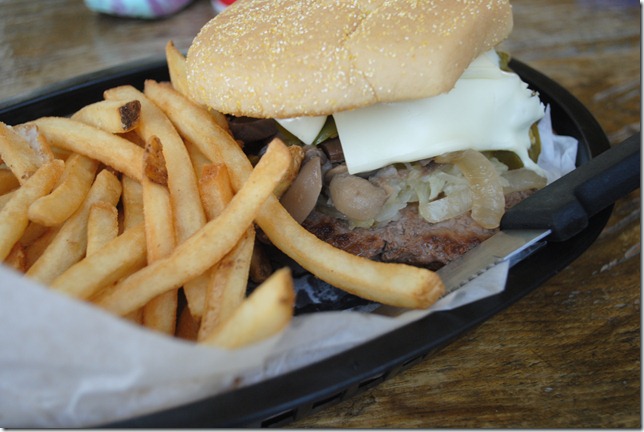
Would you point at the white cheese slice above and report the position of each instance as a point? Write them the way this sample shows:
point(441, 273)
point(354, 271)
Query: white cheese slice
point(488, 109)
point(306, 129)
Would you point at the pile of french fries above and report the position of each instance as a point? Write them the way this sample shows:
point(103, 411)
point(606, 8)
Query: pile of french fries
point(145, 205)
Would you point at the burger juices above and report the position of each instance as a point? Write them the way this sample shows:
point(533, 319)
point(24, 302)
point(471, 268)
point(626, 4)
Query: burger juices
point(415, 136)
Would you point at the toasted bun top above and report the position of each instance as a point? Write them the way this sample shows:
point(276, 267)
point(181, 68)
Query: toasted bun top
point(290, 58)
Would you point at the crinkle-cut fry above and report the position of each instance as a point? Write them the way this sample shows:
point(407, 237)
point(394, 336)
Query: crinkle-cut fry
point(266, 311)
point(176, 67)
point(160, 312)
point(394, 284)
point(132, 203)
point(112, 116)
point(110, 149)
point(17, 154)
point(228, 284)
point(37, 141)
point(70, 243)
point(8, 181)
point(182, 181)
point(208, 245)
point(56, 207)
point(102, 226)
point(13, 216)
point(105, 266)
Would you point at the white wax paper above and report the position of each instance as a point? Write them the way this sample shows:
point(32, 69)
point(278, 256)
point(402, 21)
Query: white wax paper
point(65, 363)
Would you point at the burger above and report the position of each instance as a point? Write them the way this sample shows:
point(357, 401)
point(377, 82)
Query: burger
point(414, 134)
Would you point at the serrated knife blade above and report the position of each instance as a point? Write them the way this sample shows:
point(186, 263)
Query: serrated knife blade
point(554, 213)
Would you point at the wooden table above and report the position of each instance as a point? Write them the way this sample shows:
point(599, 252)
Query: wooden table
point(567, 355)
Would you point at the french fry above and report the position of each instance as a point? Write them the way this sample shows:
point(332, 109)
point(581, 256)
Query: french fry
point(267, 310)
point(105, 266)
point(70, 243)
point(215, 189)
point(187, 325)
point(182, 182)
point(35, 249)
point(4, 199)
point(160, 312)
point(395, 284)
point(111, 115)
point(177, 68)
point(102, 226)
point(199, 160)
point(132, 202)
point(13, 216)
point(8, 181)
point(227, 287)
point(112, 150)
point(17, 258)
point(17, 154)
point(67, 196)
point(229, 278)
point(208, 245)
point(36, 141)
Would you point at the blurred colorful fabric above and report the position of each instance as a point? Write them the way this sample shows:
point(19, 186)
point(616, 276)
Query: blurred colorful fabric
point(147, 9)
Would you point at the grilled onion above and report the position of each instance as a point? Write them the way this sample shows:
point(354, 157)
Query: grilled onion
point(488, 200)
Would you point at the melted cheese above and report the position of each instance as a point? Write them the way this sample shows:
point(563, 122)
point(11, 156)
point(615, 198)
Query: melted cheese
point(306, 129)
point(488, 109)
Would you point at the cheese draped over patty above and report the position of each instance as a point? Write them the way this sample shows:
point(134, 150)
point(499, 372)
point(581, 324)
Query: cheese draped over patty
point(488, 109)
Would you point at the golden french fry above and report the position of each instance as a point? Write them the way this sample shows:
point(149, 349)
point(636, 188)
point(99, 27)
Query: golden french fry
point(177, 68)
point(394, 284)
point(105, 266)
point(229, 278)
point(266, 311)
point(182, 182)
point(228, 284)
point(8, 181)
point(111, 115)
point(70, 243)
point(187, 325)
point(56, 207)
point(160, 312)
point(35, 249)
point(4, 199)
point(102, 226)
point(33, 232)
point(199, 160)
point(132, 203)
point(17, 154)
point(215, 189)
point(17, 258)
point(112, 150)
point(13, 216)
point(208, 245)
point(297, 153)
point(36, 141)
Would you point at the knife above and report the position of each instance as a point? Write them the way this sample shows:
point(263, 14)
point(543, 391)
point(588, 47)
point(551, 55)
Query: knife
point(553, 214)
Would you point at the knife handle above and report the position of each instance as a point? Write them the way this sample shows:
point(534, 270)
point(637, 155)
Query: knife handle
point(564, 206)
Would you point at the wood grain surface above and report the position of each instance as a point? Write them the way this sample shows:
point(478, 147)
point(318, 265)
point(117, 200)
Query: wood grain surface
point(568, 354)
